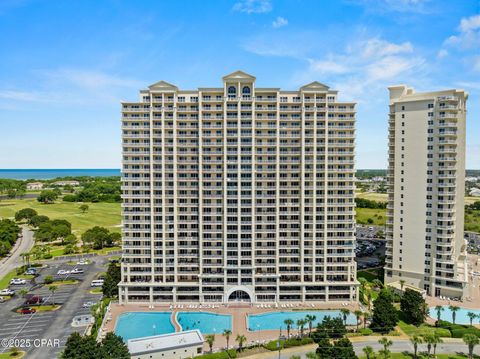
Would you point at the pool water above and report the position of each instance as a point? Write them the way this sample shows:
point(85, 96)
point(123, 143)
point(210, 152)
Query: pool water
point(207, 323)
point(275, 320)
point(139, 324)
point(460, 318)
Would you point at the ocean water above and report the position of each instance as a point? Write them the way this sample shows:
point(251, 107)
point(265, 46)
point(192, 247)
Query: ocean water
point(39, 174)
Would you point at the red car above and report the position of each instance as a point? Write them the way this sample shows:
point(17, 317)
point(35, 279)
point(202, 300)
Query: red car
point(27, 310)
point(34, 300)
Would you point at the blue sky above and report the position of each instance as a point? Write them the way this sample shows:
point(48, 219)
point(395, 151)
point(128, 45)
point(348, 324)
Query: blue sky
point(66, 65)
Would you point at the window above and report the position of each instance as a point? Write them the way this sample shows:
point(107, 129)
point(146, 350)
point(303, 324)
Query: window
point(232, 90)
point(246, 90)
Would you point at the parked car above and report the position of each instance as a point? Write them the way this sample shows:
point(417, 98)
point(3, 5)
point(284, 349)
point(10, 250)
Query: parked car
point(76, 271)
point(18, 281)
point(2, 299)
point(97, 283)
point(7, 291)
point(88, 304)
point(34, 300)
point(63, 272)
point(31, 271)
point(82, 262)
point(27, 310)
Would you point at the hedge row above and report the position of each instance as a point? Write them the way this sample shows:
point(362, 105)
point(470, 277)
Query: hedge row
point(292, 342)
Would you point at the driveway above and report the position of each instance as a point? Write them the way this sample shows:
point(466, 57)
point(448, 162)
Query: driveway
point(22, 245)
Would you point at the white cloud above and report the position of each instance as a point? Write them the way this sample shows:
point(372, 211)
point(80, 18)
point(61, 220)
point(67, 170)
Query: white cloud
point(327, 67)
point(366, 67)
point(442, 53)
point(471, 23)
point(253, 6)
point(279, 22)
point(70, 86)
point(376, 48)
point(469, 34)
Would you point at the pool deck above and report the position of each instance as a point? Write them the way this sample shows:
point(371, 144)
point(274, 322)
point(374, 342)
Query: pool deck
point(239, 317)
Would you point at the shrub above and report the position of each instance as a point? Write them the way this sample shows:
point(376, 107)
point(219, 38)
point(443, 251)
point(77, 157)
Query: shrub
point(48, 279)
point(365, 331)
point(459, 333)
point(70, 198)
point(443, 333)
point(292, 342)
point(232, 353)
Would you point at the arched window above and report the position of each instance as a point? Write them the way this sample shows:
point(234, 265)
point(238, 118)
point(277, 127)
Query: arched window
point(232, 90)
point(246, 90)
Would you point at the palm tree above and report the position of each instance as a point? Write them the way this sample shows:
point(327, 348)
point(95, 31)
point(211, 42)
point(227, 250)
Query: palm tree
point(300, 324)
point(26, 258)
point(345, 312)
point(415, 340)
point(366, 316)
point(471, 340)
point(241, 339)
point(402, 284)
point(369, 299)
point(429, 340)
point(368, 351)
point(23, 292)
point(377, 283)
point(436, 340)
point(53, 289)
point(288, 323)
point(385, 342)
point(226, 334)
point(439, 310)
point(310, 319)
point(454, 309)
point(358, 314)
point(471, 316)
point(210, 339)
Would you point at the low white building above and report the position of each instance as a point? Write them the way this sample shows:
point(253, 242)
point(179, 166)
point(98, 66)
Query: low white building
point(180, 345)
point(475, 192)
point(34, 186)
point(67, 183)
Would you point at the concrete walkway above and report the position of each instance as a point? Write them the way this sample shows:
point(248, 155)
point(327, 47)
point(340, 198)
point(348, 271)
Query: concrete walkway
point(23, 244)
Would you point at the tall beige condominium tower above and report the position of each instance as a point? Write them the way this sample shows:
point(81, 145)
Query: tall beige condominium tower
point(238, 193)
point(425, 244)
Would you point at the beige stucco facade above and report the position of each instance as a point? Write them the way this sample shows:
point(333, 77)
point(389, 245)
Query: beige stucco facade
point(425, 213)
point(238, 193)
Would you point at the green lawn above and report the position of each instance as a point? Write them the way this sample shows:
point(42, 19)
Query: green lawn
point(99, 214)
point(372, 196)
point(377, 215)
point(423, 329)
point(10, 356)
point(64, 282)
point(5, 281)
point(421, 356)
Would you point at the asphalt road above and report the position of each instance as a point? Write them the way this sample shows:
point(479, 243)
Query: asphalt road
point(22, 245)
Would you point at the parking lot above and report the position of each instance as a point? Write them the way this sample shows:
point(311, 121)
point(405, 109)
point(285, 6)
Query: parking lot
point(370, 247)
point(53, 326)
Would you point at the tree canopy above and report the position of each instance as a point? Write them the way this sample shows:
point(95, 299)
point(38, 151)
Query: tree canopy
point(385, 316)
point(413, 307)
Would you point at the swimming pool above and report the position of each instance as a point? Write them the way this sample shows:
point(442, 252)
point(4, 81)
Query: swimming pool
point(460, 318)
point(207, 323)
point(140, 324)
point(275, 320)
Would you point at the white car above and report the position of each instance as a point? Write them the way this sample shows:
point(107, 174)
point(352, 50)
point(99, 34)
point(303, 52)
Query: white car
point(7, 291)
point(76, 271)
point(63, 272)
point(2, 299)
point(88, 304)
point(82, 262)
point(18, 281)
